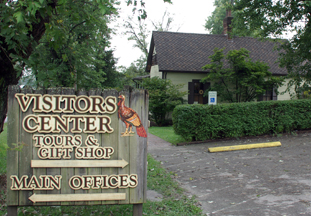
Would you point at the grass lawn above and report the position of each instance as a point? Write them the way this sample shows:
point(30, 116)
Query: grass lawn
point(174, 201)
point(166, 133)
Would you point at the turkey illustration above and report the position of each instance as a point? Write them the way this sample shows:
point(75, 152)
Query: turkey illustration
point(130, 118)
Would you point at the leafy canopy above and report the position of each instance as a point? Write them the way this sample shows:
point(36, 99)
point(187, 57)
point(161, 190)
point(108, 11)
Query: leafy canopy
point(214, 23)
point(241, 80)
point(136, 69)
point(275, 19)
point(24, 23)
point(81, 56)
point(139, 32)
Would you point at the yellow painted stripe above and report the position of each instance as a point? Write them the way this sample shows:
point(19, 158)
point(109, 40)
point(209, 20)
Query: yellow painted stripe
point(243, 147)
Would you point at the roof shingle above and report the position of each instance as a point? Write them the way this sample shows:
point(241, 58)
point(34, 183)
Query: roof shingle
point(187, 52)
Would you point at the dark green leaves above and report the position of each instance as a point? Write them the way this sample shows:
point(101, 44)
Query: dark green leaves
point(270, 18)
point(163, 98)
point(241, 80)
point(201, 122)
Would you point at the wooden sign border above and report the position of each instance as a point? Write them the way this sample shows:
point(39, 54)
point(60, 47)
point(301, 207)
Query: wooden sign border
point(128, 158)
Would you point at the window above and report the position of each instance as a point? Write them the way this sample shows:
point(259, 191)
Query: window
point(270, 94)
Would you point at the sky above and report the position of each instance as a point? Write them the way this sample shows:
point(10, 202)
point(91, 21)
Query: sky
point(189, 17)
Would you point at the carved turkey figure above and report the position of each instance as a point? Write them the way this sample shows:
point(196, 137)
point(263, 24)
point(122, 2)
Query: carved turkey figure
point(130, 118)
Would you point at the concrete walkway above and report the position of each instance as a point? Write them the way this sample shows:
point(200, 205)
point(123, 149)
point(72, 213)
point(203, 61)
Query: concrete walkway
point(267, 181)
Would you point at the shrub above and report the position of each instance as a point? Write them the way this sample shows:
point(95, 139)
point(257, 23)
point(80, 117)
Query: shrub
point(202, 122)
point(164, 96)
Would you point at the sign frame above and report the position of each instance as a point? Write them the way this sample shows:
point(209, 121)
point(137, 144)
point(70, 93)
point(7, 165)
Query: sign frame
point(118, 173)
point(212, 98)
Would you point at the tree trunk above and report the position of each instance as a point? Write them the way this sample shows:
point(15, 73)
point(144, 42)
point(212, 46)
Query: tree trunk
point(8, 77)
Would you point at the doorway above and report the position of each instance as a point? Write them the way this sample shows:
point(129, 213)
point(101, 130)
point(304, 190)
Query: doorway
point(196, 92)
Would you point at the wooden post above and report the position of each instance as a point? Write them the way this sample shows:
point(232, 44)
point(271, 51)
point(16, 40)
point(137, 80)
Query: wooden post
point(137, 209)
point(12, 210)
point(12, 138)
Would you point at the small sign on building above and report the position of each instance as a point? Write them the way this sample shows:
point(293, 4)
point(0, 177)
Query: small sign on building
point(212, 97)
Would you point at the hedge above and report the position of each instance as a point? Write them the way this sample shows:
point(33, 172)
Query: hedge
point(203, 122)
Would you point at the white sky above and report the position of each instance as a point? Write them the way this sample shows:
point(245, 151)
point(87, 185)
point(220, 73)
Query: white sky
point(190, 15)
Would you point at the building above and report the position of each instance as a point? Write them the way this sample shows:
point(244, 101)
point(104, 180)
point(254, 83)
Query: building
point(180, 57)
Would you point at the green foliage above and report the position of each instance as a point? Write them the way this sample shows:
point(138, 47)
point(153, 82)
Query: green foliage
point(139, 7)
point(160, 179)
point(166, 133)
point(136, 69)
point(80, 57)
point(307, 94)
point(24, 23)
point(112, 76)
point(175, 203)
point(20, 20)
point(243, 80)
point(214, 23)
point(64, 25)
point(199, 122)
point(164, 96)
point(275, 19)
point(165, 23)
point(137, 32)
point(271, 17)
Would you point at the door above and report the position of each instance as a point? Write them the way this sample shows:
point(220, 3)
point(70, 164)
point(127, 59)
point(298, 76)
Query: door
point(196, 92)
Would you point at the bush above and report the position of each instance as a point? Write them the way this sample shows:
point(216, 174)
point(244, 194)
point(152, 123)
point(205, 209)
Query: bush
point(203, 122)
point(164, 96)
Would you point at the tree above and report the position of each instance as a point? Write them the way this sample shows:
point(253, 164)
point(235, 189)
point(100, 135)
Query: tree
point(165, 24)
point(112, 76)
point(214, 23)
point(275, 19)
point(140, 8)
point(138, 33)
point(243, 80)
point(163, 98)
point(79, 59)
point(23, 23)
point(136, 69)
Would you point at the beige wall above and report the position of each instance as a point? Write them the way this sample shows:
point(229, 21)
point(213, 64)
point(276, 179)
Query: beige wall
point(184, 78)
point(285, 96)
point(177, 78)
point(154, 72)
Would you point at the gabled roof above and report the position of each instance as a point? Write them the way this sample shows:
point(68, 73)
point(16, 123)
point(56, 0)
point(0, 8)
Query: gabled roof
point(187, 52)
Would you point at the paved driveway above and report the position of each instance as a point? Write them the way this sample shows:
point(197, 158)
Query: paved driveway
point(267, 181)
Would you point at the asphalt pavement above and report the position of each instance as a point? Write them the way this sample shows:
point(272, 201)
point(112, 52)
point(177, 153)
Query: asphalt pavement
point(266, 181)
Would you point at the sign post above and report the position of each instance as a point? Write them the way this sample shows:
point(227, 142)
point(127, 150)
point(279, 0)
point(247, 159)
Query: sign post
point(88, 148)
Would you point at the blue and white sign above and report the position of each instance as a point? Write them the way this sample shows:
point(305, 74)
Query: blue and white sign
point(212, 98)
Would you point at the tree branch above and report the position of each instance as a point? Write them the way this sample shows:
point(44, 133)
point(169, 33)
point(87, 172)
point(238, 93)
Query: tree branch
point(76, 26)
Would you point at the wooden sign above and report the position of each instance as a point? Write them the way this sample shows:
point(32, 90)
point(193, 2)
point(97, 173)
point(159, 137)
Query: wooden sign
point(88, 148)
